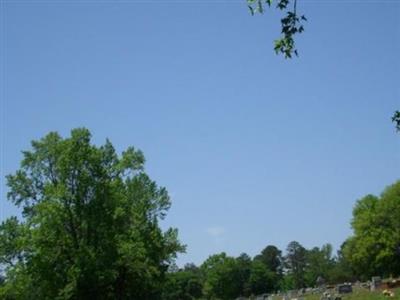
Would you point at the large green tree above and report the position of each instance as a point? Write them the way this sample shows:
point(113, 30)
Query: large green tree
point(90, 225)
point(374, 248)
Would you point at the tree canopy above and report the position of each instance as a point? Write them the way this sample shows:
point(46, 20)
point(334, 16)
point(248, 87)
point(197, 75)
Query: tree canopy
point(374, 247)
point(90, 225)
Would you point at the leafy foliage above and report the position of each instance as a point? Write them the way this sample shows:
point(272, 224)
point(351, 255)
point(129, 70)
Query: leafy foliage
point(272, 258)
point(375, 246)
point(396, 120)
point(90, 224)
point(319, 264)
point(261, 278)
point(244, 264)
point(295, 261)
point(227, 277)
point(291, 24)
point(184, 284)
point(341, 271)
point(221, 275)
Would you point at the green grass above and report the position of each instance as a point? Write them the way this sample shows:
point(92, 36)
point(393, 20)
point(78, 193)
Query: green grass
point(358, 295)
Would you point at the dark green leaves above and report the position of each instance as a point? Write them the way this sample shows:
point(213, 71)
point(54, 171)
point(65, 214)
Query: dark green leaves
point(396, 120)
point(12, 242)
point(291, 24)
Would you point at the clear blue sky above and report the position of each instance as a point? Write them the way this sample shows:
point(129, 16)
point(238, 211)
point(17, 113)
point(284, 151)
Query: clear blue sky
point(254, 149)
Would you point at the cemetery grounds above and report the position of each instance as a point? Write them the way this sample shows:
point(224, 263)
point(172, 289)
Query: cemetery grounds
point(358, 294)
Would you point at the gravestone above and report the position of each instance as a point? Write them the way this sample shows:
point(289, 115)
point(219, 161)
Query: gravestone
point(376, 282)
point(328, 296)
point(320, 282)
point(344, 288)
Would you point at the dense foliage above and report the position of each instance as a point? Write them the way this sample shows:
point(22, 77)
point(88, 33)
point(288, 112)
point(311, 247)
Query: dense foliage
point(90, 224)
point(375, 246)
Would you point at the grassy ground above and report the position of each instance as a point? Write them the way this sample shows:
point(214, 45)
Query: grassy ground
point(359, 295)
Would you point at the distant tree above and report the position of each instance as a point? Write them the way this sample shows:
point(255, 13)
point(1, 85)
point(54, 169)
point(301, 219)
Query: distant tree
point(374, 248)
point(244, 264)
point(341, 270)
point(286, 283)
point(272, 258)
point(191, 267)
point(90, 226)
point(261, 278)
point(221, 275)
point(183, 285)
point(291, 23)
point(295, 262)
point(319, 263)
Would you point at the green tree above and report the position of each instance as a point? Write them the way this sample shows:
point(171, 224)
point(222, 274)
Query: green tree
point(319, 263)
point(341, 270)
point(374, 248)
point(360, 249)
point(261, 278)
point(221, 275)
point(272, 258)
point(295, 262)
point(184, 284)
point(12, 241)
point(90, 226)
point(244, 265)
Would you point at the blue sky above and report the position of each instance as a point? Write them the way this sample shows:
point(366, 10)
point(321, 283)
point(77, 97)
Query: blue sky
point(254, 149)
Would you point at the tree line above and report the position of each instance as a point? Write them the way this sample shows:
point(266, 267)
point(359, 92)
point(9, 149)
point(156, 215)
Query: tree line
point(225, 277)
point(372, 250)
point(90, 229)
